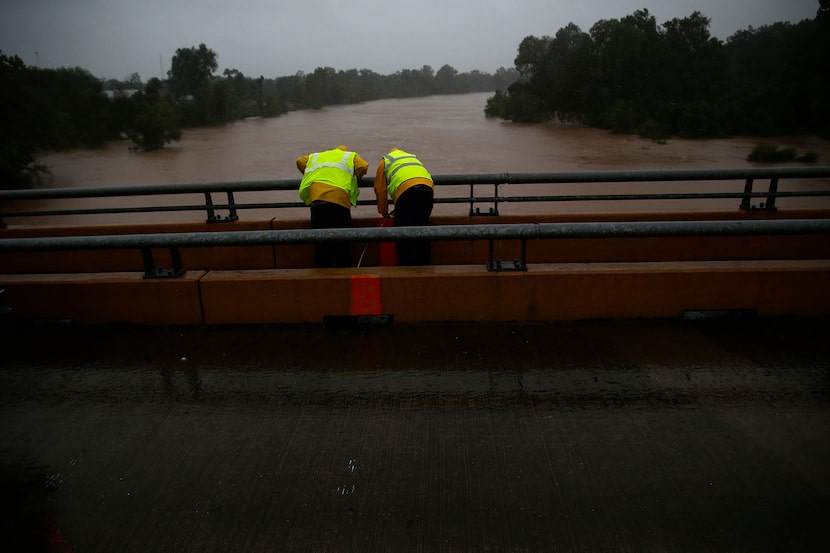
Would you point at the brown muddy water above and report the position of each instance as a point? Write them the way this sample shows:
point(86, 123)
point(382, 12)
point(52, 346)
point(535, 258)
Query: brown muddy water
point(449, 133)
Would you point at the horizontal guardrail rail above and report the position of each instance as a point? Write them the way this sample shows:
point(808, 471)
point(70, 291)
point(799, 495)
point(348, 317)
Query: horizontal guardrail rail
point(490, 232)
point(443, 183)
point(519, 231)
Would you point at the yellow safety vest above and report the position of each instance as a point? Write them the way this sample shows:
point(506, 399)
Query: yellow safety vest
point(332, 167)
point(401, 166)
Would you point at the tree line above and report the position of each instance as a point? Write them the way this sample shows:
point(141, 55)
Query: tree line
point(54, 109)
point(631, 75)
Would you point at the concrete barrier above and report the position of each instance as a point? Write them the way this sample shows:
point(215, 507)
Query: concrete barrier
point(463, 293)
point(545, 292)
point(104, 298)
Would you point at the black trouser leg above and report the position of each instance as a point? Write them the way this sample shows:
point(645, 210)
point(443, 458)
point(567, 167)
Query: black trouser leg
point(329, 215)
point(413, 208)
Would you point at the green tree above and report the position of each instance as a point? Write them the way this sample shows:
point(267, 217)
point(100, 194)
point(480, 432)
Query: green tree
point(496, 105)
point(292, 88)
point(155, 123)
point(631, 75)
point(445, 80)
point(18, 140)
point(572, 74)
point(155, 126)
point(321, 87)
point(526, 96)
point(191, 69)
point(780, 79)
point(219, 103)
point(692, 68)
point(626, 74)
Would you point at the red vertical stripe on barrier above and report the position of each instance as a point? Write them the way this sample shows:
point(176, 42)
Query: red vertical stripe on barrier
point(388, 254)
point(366, 295)
point(387, 251)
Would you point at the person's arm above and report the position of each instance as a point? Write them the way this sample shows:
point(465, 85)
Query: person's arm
point(301, 163)
point(360, 167)
point(380, 186)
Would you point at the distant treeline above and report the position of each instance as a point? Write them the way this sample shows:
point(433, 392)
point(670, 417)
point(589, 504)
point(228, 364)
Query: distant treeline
point(54, 109)
point(631, 75)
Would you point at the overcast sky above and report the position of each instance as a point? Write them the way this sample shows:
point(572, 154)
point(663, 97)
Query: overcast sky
point(115, 38)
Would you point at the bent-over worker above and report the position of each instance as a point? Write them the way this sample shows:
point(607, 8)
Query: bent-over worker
point(329, 188)
point(405, 180)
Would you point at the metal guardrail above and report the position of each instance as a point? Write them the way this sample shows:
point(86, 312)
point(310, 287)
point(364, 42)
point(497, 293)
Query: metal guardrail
point(491, 232)
point(443, 182)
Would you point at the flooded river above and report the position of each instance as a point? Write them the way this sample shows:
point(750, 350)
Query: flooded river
point(449, 133)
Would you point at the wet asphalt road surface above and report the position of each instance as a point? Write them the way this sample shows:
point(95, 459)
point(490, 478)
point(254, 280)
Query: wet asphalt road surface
point(589, 436)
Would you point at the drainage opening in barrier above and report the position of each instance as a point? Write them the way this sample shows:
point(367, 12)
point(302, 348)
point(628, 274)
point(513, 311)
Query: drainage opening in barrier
point(718, 314)
point(348, 320)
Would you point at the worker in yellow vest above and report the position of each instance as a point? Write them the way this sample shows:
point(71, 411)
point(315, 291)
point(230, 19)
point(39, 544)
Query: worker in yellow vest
point(402, 177)
point(329, 188)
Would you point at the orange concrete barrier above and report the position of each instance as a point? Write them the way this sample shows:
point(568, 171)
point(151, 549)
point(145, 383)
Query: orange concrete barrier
point(463, 293)
point(275, 296)
point(546, 292)
point(104, 298)
point(609, 291)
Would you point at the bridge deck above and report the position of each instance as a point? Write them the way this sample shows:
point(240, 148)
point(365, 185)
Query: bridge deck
point(590, 436)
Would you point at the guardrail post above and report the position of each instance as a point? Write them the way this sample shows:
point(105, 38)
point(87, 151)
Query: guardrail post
point(477, 211)
point(151, 271)
point(516, 265)
point(772, 194)
point(213, 217)
point(232, 216)
point(746, 202)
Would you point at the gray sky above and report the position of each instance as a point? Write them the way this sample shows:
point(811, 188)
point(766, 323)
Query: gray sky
point(114, 38)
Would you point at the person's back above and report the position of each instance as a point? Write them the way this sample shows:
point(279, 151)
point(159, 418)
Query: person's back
point(329, 188)
point(402, 177)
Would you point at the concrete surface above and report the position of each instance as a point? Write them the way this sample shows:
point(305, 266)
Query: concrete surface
point(649, 435)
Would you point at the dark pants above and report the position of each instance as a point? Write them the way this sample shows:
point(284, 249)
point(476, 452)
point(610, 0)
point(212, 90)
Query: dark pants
point(329, 215)
point(413, 208)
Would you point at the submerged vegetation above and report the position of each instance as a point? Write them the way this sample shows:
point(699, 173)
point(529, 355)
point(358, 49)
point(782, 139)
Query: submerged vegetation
point(632, 75)
point(766, 152)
